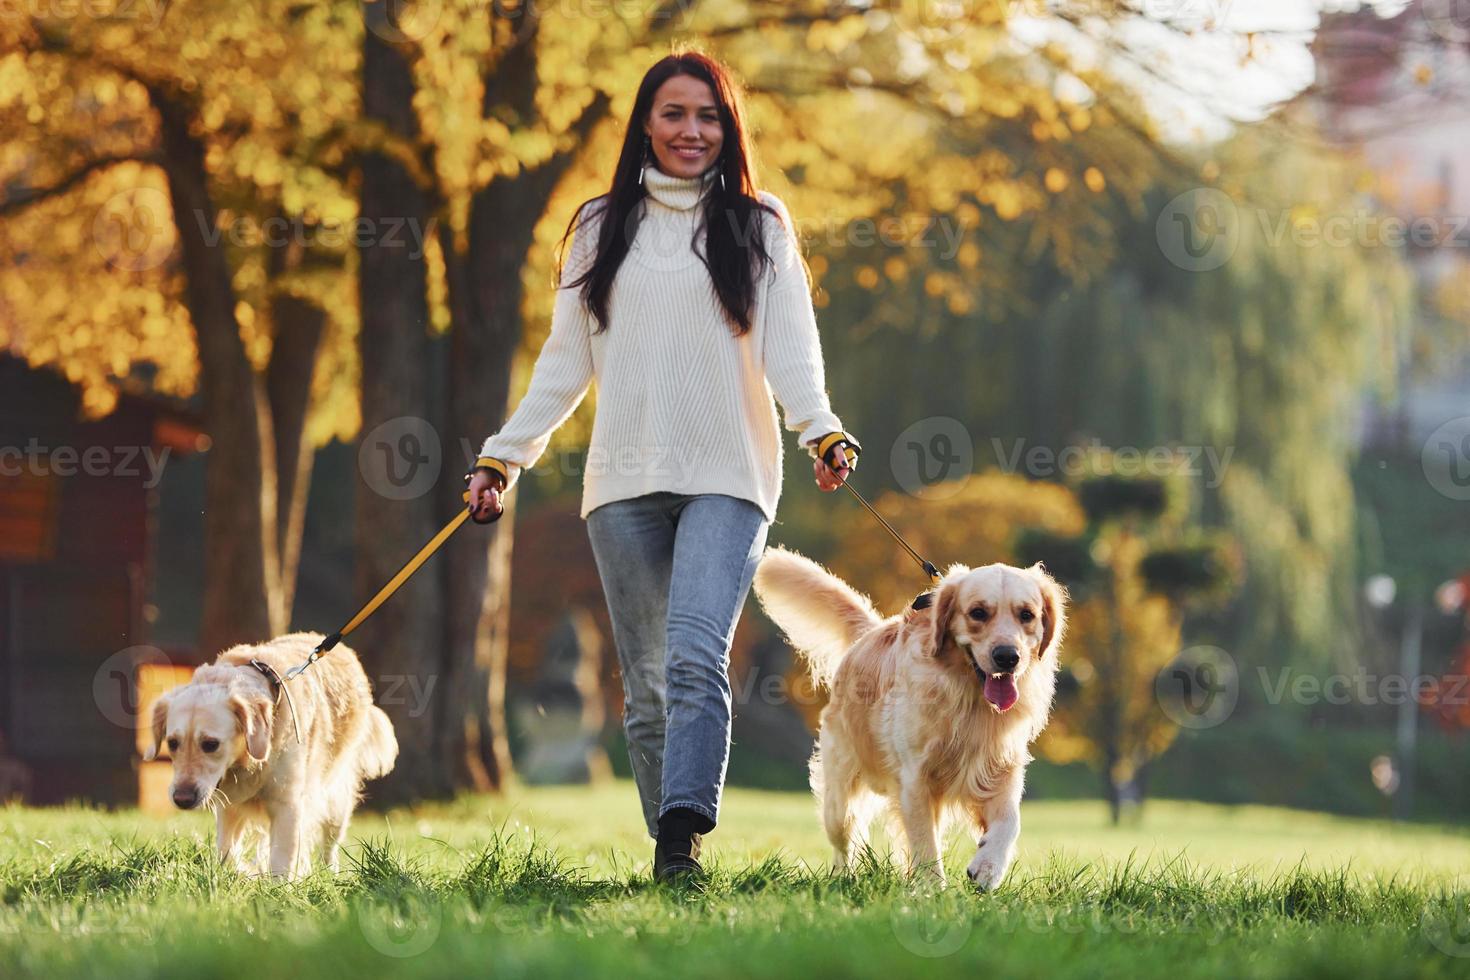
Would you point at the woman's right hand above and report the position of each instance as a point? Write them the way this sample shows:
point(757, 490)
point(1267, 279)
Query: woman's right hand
point(485, 489)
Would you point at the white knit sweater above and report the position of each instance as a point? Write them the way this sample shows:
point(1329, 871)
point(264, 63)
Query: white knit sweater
point(683, 405)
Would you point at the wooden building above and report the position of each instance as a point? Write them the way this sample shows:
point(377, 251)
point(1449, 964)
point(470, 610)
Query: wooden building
point(77, 504)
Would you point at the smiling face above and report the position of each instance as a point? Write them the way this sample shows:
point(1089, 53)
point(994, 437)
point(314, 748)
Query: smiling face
point(206, 729)
point(684, 127)
point(998, 622)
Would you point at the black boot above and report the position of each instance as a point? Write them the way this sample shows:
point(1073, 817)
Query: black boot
point(676, 855)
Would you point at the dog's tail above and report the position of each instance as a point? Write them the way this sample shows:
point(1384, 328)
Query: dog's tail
point(819, 613)
point(380, 747)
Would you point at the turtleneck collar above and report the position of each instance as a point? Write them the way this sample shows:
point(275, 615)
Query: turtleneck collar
point(679, 193)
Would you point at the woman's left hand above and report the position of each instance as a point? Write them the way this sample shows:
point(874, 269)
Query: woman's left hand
point(827, 479)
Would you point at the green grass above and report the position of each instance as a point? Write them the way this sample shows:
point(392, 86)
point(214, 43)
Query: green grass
point(554, 882)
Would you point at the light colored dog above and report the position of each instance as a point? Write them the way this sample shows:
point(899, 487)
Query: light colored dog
point(235, 750)
point(931, 710)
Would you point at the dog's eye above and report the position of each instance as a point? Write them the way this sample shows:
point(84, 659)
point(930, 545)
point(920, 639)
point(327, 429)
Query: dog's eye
point(1027, 615)
point(173, 745)
point(979, 614)
point(209, 744)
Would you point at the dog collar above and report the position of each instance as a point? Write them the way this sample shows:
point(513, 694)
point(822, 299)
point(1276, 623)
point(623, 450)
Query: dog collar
point(279, 687)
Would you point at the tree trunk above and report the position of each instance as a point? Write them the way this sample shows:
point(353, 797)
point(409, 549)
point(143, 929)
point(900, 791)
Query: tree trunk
point(240, 487)
point(1140, 788)
point(465, 729)
point(1113, 793)
point(485, 298)
point(298, 328)
point(1112, 696)
point(402, 643)
point(477, 563)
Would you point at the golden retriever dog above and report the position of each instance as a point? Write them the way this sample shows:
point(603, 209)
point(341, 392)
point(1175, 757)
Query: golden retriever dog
point(234, 749)
point(931, 711)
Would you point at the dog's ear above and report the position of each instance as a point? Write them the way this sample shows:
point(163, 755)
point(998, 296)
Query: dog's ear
point(940, 637)
point(159, 723)
point(255, 715)
point(1053, 609)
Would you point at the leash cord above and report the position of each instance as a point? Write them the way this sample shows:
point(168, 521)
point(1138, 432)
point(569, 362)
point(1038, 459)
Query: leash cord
point(922, 600)
point(927, 566)
point(394, 584)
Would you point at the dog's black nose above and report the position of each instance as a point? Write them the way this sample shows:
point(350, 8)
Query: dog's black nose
point(185, 799)
point(1005, 658)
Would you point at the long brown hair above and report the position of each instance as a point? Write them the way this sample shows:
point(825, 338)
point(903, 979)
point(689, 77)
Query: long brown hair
point(732, 226)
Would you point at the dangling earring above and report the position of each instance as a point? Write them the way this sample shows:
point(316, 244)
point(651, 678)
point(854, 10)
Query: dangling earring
point(722, 181)
point(643, 164)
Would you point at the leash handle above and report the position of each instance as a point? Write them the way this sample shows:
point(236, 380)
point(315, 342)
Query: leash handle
point(500, 469)
point(831, 442)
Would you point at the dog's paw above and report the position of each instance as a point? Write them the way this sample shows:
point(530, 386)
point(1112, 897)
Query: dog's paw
point(986, 871)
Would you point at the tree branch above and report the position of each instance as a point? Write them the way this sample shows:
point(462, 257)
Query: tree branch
point(831, 14)
point(35, 195)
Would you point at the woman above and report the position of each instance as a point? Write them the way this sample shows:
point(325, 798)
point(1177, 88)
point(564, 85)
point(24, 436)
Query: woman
point(684, 293)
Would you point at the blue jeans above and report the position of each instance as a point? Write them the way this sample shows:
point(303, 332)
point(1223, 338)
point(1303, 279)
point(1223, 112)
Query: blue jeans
point(676, 569)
